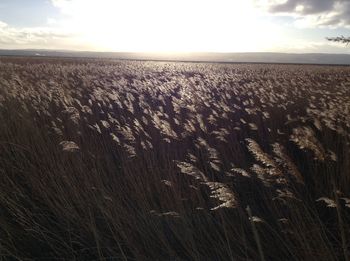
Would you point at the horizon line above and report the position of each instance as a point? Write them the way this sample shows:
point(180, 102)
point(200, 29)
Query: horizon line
point(165, 52)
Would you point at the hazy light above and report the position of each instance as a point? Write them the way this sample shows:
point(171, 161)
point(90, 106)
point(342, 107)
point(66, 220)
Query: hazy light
point(168, 26)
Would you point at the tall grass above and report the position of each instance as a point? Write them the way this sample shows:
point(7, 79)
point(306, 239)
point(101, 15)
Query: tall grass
point(160, 161)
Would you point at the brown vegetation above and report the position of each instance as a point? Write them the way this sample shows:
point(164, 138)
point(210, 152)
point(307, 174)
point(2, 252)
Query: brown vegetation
point(131, 160)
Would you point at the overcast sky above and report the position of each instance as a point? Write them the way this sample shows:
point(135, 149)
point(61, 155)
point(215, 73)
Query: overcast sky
point(175, 25)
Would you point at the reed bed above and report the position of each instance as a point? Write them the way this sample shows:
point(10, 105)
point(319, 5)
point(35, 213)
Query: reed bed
point(132, 160)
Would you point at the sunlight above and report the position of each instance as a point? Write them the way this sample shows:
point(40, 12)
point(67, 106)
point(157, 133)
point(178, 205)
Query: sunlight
point(167, 26)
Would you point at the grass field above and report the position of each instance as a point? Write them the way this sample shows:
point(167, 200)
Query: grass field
point(131, 160)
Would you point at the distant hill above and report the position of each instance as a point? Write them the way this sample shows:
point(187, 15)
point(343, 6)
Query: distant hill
point(256, 57)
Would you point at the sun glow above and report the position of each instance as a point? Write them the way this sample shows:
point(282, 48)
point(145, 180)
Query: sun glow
point(167, 26)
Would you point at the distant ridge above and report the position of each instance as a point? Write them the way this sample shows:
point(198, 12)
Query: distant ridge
point(253, 57)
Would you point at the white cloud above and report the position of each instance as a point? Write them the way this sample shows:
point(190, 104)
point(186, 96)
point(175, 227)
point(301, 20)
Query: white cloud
point(33, 37)
point(3, 25)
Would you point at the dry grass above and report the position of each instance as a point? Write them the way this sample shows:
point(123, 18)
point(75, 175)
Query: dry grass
point(159, 161)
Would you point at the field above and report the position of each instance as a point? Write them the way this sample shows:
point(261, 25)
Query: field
point(131, 160)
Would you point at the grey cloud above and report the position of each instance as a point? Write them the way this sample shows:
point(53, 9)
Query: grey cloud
point(326, 12)
point(309, 6)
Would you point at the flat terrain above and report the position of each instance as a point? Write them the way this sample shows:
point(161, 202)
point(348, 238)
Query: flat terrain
point(131, 160)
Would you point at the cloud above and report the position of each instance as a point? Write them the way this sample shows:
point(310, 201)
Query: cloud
point(305, 7)
point(322, 13)
point(3, 25)
point(33, 37)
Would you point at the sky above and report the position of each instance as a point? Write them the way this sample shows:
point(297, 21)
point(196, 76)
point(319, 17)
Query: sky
point(293, 26)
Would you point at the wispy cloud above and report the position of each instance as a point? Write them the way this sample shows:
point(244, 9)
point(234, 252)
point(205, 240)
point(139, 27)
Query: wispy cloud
point(32, 37)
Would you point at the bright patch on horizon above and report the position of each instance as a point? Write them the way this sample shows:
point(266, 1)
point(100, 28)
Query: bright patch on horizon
point(175, 25)
point(168, 26)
